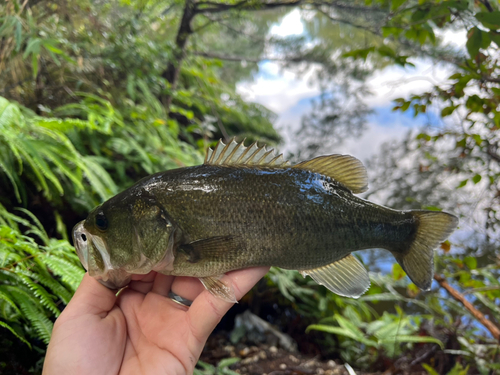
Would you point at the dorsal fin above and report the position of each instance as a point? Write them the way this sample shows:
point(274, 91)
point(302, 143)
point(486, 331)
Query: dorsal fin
point(345, 169)
point(237, 154)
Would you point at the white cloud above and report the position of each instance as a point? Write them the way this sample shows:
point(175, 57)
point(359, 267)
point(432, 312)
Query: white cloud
point(396, 82)
point(372, 139)
point(456, 38)
point(279, 90)
point(363, 147)
point(290, 25)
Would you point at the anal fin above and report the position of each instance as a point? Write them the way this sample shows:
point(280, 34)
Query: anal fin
point(346, 277)
point(219, 288)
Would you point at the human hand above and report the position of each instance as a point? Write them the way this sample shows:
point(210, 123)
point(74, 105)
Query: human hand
point(141, 331)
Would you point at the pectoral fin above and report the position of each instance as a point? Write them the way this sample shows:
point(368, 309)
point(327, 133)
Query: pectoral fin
point(346, 277)
point(219, 288)
point(213, 247)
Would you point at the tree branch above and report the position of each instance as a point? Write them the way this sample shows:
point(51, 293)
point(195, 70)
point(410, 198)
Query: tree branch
point(217, 7)
point(217, 56)
point(211, 55)
point(495, 331)
point(339, 20)
point(487, 5)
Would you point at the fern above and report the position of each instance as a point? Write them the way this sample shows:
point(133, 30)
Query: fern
point(5, 325)
point(35, 279)
point(35, 314)
point(37, 149)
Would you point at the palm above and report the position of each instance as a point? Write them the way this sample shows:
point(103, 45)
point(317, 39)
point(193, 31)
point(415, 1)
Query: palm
point(141, 331)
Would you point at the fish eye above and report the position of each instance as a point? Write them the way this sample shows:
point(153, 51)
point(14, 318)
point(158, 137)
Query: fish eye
point(101, 222)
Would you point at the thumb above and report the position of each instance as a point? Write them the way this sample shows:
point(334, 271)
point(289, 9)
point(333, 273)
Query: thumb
point(92, 298)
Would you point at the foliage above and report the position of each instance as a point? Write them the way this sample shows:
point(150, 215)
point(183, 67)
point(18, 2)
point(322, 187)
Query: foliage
point(37, 280)
point(394, 318)
point(221, 369)
point(36, 152)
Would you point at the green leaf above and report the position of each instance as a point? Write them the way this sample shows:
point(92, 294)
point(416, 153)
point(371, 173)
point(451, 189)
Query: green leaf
point(397, 272)
point(5, 325)
point(495, 37)
point(387, 51)
point(424, 136)
point(19, 35)
point(474, 40)
point(395, 4)
point(462, 183)
point(226, 362)
point(489, 19)
point(33, 47)
point(420, 15)
point(355, 335)
point(476, 178)
point(359, 53)
point(410, 338)
point(429, 369)
point(448, 110)
point(391, 31)
point(470, 262)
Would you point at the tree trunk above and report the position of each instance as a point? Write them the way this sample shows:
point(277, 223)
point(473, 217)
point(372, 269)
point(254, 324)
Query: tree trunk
point(171, 74)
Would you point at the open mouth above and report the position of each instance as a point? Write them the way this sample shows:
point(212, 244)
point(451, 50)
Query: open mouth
point(81, 240)
point(94, 255)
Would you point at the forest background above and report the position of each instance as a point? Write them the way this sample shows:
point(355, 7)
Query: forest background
point(95, 95)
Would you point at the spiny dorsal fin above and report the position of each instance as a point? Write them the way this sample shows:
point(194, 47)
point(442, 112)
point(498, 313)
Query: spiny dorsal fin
point(345, 169)
point(237, 154)
point(345, 277)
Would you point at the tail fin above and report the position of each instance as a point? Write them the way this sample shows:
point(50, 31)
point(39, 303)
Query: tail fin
point(418, 261)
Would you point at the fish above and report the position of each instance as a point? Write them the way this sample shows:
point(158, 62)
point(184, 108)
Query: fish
point(245, 207)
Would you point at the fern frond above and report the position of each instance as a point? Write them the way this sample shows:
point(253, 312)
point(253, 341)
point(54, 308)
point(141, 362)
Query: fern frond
point(45, 298)
point(64, 165)
point(39, 230)
point(43, 326)
point(5, 325)
point(4, 296)
point(20, 149)
point(100, 180)
point(67, 271)
point(31, 151)
point(11, 176)
point(43, 277)
point(62, 125)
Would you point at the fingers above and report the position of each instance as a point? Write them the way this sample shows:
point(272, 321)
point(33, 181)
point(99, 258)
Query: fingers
point(187, 287)
point(142, 283)
point(207, 310)
point(162, 284)
point(91, 297)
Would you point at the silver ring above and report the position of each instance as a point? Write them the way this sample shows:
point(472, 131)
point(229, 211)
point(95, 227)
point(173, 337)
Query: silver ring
point(180, 300)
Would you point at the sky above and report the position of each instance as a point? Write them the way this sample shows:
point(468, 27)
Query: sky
point(289, 95)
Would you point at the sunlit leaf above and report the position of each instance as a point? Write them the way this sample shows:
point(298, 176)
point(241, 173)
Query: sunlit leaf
point(397, 272)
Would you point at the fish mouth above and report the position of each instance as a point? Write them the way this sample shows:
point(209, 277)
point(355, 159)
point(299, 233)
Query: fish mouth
point(94, 256)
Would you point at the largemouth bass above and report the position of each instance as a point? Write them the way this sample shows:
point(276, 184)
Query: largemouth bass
point(245, 207)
